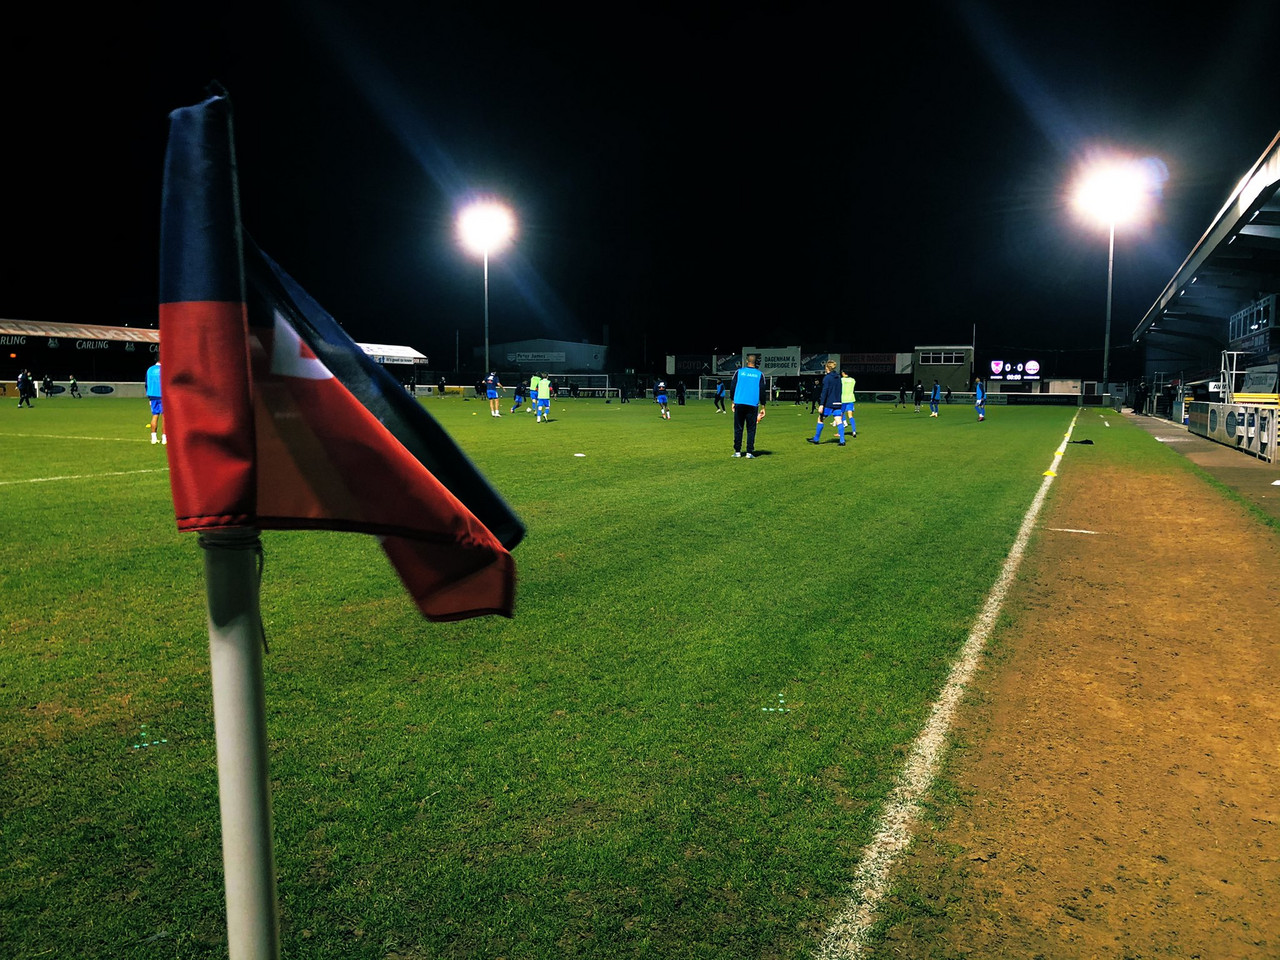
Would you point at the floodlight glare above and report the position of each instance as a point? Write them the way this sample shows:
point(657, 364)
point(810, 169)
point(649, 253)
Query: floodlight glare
point(1113, 193)
point(485, 228)
point(1110, 193)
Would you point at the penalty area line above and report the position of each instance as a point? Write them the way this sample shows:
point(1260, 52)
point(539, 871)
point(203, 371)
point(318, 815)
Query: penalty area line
point(846, 935)
point(84, 476)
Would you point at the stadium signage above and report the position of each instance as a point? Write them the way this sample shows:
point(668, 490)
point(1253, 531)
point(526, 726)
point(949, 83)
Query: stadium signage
point(13, 341)
point(775, 361)
point(102, 388)
point(1014, 372)
point(528, 356)
point(92, 344)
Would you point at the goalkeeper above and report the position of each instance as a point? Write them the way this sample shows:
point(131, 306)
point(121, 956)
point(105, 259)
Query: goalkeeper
point(747, 393)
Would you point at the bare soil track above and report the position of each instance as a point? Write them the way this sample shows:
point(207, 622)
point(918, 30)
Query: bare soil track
point(1118, 762)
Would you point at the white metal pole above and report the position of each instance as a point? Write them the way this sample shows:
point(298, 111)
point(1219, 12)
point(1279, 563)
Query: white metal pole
point(486, 313)
point(1106, 343)
point(239, 714)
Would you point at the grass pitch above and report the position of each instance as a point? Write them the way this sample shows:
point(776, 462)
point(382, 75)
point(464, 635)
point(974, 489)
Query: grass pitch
point(676, 749)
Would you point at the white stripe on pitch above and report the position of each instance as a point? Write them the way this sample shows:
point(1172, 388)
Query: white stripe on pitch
point(849, 928)
point(63, 436)
point(84, 476)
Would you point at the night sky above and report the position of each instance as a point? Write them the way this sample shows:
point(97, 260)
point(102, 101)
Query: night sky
point(696, 180)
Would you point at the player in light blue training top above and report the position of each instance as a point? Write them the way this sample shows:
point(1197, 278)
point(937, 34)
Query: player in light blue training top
point(981, 405)
point(934, 398)
point(748, 392)
point(157, 405)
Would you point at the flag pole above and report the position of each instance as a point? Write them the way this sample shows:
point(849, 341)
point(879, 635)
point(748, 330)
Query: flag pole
point(239, 714)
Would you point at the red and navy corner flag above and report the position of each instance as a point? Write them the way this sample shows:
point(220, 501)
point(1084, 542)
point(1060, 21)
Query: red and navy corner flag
point(278, 420)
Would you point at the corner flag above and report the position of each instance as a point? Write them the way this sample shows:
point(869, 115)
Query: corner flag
point(277, 420)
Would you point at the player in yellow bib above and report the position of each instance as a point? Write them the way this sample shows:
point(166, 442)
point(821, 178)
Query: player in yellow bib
point(846, 401)
point(543, 408)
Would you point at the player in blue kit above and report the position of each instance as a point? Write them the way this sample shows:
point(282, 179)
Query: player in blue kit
point(660, 395)
point(981, 405)
point(934, 399)
point(829, 403)
point(157, 404)
point(747, 390)
point(491, 387)
point(521, 390)
point(848, 398)
point(542, 406)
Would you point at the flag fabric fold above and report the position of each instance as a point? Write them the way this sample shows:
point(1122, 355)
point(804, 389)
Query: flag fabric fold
point(277, 420)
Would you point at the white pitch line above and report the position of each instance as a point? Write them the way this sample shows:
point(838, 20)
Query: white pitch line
point(84, 476)
point(63, 436)
point(1069, 530)
point(845, 937)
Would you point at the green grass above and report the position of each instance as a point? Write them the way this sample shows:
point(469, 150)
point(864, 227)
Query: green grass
point(602, 776)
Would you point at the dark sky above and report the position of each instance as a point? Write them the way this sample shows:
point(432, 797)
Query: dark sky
point(749, 174)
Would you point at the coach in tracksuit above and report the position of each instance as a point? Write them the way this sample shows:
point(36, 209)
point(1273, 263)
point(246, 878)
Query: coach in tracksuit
point(747, 389)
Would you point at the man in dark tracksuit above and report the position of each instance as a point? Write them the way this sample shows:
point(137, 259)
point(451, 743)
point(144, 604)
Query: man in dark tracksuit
point(747, 390)
point(830, 403)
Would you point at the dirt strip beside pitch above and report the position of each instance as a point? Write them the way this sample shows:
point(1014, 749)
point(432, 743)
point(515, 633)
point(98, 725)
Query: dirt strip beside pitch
point(1118, 753)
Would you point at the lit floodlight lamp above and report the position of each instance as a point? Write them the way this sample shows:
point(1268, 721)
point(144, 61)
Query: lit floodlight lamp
point(484, 228)
point(1110, 193)
point(1114, 193)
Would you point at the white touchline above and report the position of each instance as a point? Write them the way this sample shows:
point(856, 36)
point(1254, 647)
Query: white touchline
point(1069, 530)
point(902, 808)
point(84, 476)
point(64, 436)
